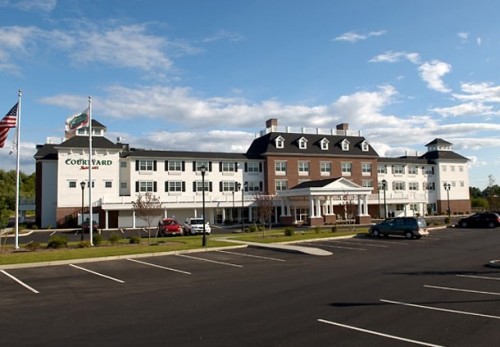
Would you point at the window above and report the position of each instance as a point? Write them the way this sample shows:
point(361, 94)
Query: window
point(146, 186)
point(175, 186)
point(227, 186)
point(108, 184)
point(413, 186)
point(382, 169)
point(345, 145)
point(253, 167)
point(174, 165)
point(254, 186)
point(303, 168)
point(364, 146)
point(462, 184)
point(414, 207)
point(398, 185)
point(428, 186)
point(200, 164)
point(452, 168)
point(324, 144)
point(413, 170)
point(123, 164)
point(146, 165)
point(123, 185)
point(366, 169)
point(398, 169)
point(429, 170)
point(444, 168)
point(461, 168)
point(325, 168)
point(281, 185)
point(346, 168)
point(280, 142)
point(367, 183)
point(228, 166)
point(303, 143)
point(280, 167)
point(72, 184)
point(198, 186)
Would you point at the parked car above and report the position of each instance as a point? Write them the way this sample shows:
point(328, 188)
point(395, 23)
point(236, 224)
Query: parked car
point(169, 226)
point(195, 226)
point(409, 227)
point(86, 226)
point(480, 220)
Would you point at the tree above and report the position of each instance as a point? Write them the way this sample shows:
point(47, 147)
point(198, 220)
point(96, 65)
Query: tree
point(4, 220)
point(264, 208)
point(146, 207)
point(475, 192)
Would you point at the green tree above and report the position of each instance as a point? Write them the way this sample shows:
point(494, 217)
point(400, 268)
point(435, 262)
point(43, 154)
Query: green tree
point(475, 192)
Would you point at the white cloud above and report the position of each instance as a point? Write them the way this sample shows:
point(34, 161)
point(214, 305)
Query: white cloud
point(484, 92)
point(28, 5)
point(463, 36)
point(393, 57)
point(224, 35)
point(465, 109)
point(352, 36)
point(433, 72)
point(479, 41)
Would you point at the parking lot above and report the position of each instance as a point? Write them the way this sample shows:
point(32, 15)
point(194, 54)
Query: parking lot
point(434, 291)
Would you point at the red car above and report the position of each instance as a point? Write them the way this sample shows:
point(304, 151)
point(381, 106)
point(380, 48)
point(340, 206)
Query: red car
point(169, 226)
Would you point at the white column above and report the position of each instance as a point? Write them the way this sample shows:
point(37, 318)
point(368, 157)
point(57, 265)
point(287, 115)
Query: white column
point(365, 204)
point(311, 207)
point(133, 219)
point(106, 219)
point(318, 207)
point(360, 210)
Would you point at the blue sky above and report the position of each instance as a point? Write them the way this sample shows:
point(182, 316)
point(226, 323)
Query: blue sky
point(206, 75)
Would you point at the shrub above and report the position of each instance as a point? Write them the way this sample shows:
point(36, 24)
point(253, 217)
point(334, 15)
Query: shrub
point(83, 244)
point(334, 229)
point(261, 228)
point(97, 238)
point(114, 238)
point(32, 246)
point(252, 228)
point(135, 239)
point(289, 231)
point(317, 230)
point(57, 241)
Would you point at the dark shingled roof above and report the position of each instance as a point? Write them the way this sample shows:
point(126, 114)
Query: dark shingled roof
point(183, 154)
point(439, 141)
point(46, 152)
point(443, 155)
point(265, 145)
point(316, 184)
point(83, 141)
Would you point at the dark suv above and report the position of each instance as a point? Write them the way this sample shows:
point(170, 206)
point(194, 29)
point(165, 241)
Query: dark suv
point(480, 220)
point(409, 227)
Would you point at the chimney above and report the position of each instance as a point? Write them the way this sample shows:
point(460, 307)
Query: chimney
point(272, 122)
point(343, 126)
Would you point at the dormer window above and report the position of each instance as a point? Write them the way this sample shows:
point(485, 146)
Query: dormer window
point(365, 147)
point(302, 143)
point(345, 145)
point(279, 142)
point(324, 144)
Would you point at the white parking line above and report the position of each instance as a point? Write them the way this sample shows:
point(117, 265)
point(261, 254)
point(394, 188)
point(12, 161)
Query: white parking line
point(159, 266)
point(377, 333)
point(19, 281)
point(481, 277)
point(97, 273)
point(333, 246)
point(395, 242)
point(440, 309)
point(251, 256)
point(461, 290)
point(209, 261)
point(354, 243)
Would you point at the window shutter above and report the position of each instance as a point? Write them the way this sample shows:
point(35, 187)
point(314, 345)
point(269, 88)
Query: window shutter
point(246, 167)
point(194, 166)
point(166, 165)
point(220, 166)
point(154, 165)
point(166, 186)
point(235, 166)
point(220, 186)
point(154, 186)
point(260, 186)
point(183, 186)
point(136, 187)
point(260, 167)
point(245, 184)
point(209, 186)
point(194, 186)
point(137, 165)
point(210, 166)
point(183, 165)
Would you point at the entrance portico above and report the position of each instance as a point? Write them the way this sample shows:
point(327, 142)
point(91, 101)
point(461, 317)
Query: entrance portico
point(324, 201)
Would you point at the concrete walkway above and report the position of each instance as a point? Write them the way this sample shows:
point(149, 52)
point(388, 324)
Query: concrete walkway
point(283, 247)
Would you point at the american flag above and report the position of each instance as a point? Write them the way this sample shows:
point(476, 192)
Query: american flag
point(7, 122)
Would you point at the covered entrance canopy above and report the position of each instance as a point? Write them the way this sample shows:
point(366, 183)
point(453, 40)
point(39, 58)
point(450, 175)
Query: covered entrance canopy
point(324, 200)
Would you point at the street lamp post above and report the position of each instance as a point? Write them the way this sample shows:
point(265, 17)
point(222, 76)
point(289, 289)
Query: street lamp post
point(203, 169)
point(82, 185)
point(236, 189)
point(447, 187)
point(384, 186)
point(243, 207)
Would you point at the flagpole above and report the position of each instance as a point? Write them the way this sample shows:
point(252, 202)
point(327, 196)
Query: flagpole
point(18, 145)
point(91, 222)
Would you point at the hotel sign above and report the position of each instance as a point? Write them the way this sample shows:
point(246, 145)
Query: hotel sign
point(84, 163)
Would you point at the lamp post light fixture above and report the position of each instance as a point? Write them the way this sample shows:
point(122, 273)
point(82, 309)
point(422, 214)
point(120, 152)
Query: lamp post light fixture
point(384, 186)
point(447, 187)
point(236, 189)
point(82, 185)
point(203, 169)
